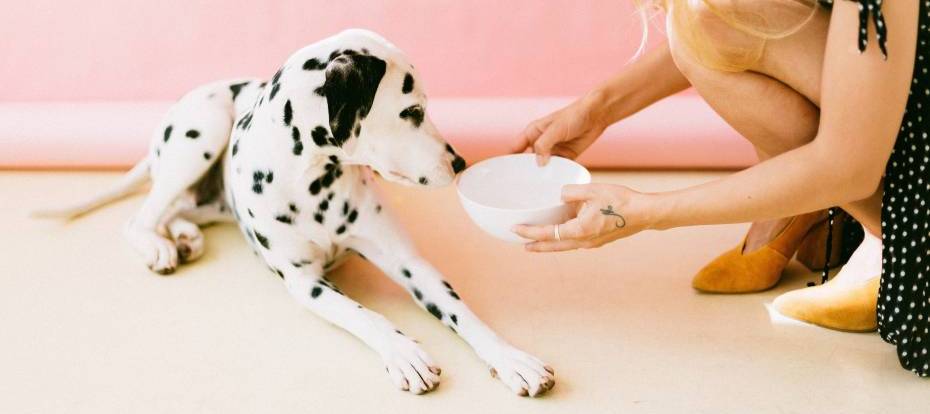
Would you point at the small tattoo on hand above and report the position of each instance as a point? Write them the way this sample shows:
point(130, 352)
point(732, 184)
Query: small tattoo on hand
point(609, 211)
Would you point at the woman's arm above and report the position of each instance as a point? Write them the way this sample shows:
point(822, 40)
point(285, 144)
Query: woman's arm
point(653, 77)
point(571, 130)
point(863, 99)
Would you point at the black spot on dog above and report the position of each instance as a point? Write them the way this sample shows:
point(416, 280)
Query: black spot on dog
point(236, 88)
point(398, 332)
point(454, 295)
point(417, 294)
point(320, 136)
point(408, 84)
point(288, 113)
point(249, 210)
point(280, 273)
point(318, 217)
point(168, 132)
point(207, 156)
point(423, 180)
point(446, 284)
point(192, 133)
point(406, 273)
point(353, 215)
point(320, 91)
point(455, 319)
point(314, 64)
point(284, 219)
point(235, 148)
point(257, 183)
point(458, 164)
point(275, 84)
point(292, 207)
point(315, 292)
point(298, 145)
point(270, 177)
point(275, 87)
point(334, 159)
point(158, 152)
point(245, 122)
point(327, 179)
point(341, 229)
point(414, 114)
point(324, 205)
point(358, 130)
point(350, 87)
point(378, 208)
point(434, 310)
point(262, 239)
point(330, 196)
point(315, 187)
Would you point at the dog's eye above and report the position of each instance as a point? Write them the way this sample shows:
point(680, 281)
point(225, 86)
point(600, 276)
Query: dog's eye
point(414, 114)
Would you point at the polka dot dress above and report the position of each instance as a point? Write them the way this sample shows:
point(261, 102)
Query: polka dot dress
point(904, 292)
point(904, 295)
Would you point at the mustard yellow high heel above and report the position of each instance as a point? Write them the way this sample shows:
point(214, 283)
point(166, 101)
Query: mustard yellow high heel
point(842, 307)
point(738, 272)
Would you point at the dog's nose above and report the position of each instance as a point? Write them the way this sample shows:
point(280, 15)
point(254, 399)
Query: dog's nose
point(458, 164)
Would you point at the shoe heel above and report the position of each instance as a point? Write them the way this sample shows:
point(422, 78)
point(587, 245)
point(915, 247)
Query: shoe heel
point(812, 250)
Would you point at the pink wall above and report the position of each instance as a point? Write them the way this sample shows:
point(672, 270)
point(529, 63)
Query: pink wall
point(157, 49)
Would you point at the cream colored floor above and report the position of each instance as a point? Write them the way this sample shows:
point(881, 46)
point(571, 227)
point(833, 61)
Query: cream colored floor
point(85, 328)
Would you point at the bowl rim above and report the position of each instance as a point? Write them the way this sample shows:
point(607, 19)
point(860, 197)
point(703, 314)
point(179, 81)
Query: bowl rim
point(586, 179)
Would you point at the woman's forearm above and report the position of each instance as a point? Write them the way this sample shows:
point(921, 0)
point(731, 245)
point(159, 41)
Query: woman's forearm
point(652, 77)
point(803, 180)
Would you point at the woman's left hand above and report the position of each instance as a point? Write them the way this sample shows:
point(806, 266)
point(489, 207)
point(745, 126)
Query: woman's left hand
point(606, 213)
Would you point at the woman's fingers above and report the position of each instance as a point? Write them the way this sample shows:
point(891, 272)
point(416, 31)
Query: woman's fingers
point(545, 142)
point(529, 135)
point(569, 230)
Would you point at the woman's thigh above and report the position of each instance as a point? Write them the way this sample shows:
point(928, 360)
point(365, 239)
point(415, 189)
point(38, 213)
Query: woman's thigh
point(774, 103)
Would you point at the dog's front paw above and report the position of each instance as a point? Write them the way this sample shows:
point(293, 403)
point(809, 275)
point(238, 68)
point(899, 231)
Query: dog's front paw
point(408, 365)
point(523, 373)
point(161, 255)
point(188, 238)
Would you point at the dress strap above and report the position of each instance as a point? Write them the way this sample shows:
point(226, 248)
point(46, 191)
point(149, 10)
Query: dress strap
point(873, 8)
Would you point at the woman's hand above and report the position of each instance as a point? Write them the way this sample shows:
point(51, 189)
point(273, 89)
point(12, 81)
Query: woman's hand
point(566, 132)
point(606, 213)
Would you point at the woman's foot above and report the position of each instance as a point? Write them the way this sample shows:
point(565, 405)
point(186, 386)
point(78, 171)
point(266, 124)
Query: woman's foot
point(763, 232)
point(847, 302)
point(757, 267)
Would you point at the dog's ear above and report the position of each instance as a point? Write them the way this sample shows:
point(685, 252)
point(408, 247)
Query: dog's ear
point(351, 84)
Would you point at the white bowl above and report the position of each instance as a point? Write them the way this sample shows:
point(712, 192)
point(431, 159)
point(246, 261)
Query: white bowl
point(501, 192)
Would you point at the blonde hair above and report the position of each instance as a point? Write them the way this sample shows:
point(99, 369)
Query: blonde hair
point(755, 22)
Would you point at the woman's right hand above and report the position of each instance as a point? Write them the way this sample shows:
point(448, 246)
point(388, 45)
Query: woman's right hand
point(567, 132)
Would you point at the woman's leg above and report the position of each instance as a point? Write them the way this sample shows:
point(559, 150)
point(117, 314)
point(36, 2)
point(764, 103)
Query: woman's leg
point(773, 104)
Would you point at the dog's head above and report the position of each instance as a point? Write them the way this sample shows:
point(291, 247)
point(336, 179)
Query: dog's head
point(378, 116)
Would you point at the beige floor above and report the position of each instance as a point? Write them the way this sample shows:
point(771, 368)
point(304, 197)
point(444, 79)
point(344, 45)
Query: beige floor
point(85, 328)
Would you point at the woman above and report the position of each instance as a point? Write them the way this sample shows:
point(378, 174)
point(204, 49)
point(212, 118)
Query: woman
point(836, 99)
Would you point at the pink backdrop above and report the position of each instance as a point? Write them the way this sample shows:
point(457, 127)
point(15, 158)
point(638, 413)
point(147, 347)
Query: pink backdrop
point(55, 50)
point(85, 82)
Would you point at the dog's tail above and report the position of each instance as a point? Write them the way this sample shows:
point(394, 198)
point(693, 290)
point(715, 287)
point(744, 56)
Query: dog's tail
point(130, 182)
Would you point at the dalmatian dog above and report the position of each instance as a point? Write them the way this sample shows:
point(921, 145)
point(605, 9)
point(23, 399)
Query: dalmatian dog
point(291, 161)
